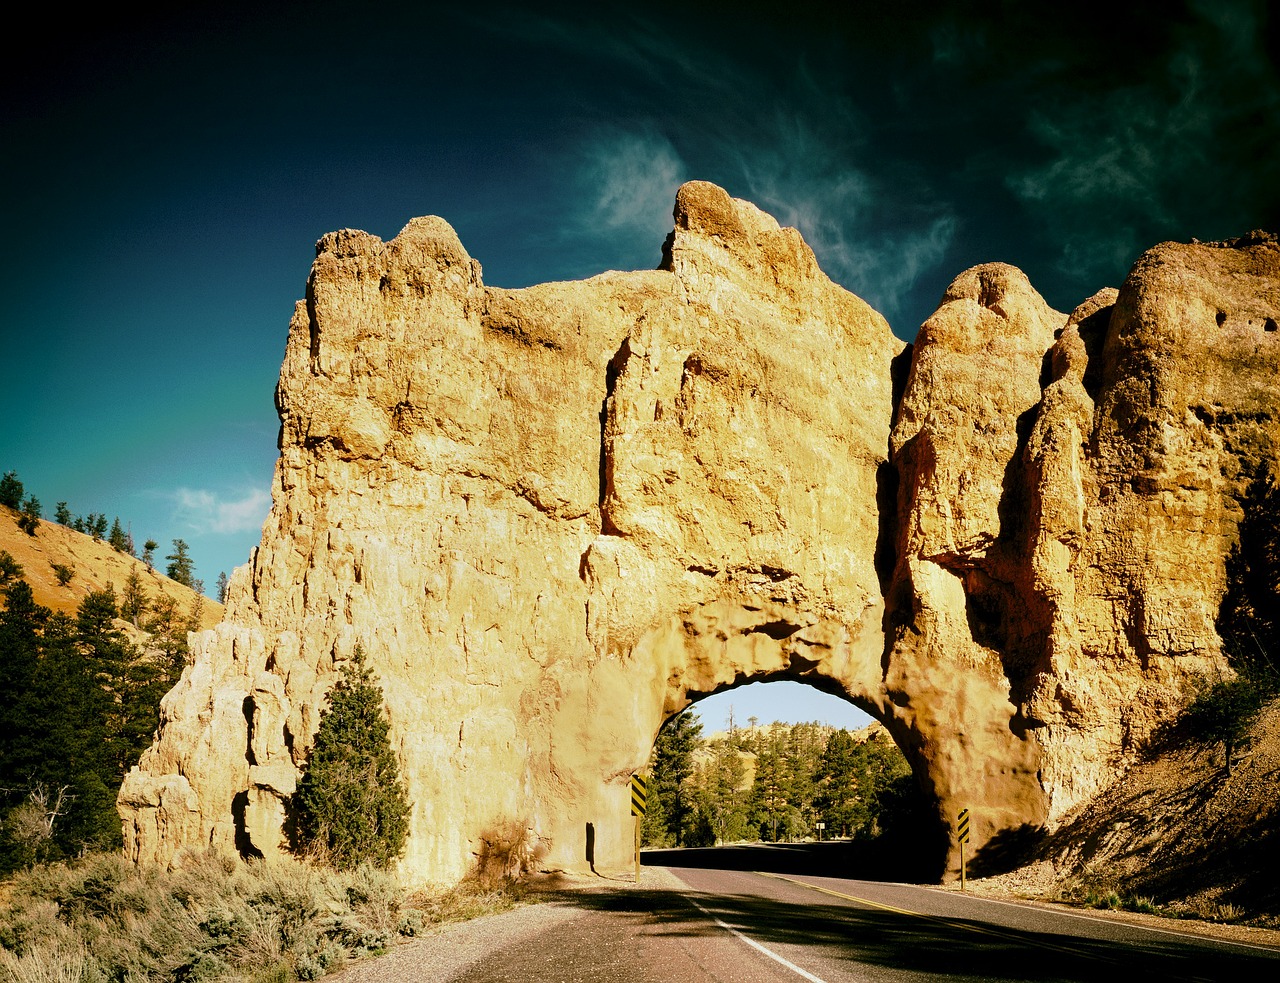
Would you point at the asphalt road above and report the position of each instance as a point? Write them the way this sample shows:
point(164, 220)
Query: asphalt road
point(744, 926)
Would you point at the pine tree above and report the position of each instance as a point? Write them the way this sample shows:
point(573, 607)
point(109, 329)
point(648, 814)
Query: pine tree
point(10, 569)
point(71, 707)
point(149, 554)
point(11, 490)
point(116, 539)
point(770, 799)
point(61, 514)
point(196, 616)
point(168, 630)
point(221, 587)
point(722, 801)
point(837, 798)
point(132, 684)
point(133, 599)
point(20, 624)
point(350, 806)
point(29, 520)
point(180, 568)
point(53, 738)
point(669, 819)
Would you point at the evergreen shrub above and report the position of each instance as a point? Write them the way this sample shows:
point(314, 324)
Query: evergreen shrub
point(351, 806)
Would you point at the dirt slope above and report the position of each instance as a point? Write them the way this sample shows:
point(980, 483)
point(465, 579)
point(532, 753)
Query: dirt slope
point(96, 564)
point(1176, 829)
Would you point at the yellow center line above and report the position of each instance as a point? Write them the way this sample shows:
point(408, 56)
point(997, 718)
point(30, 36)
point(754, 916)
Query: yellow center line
point(976, 929)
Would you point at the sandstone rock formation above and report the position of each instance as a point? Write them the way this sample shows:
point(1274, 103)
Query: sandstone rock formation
point(553, 517)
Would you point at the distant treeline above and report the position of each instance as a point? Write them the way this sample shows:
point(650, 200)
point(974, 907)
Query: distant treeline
point(772, 783)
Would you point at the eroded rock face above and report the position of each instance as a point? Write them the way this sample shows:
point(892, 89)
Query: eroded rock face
point(1181, 381)
point(973, 387)
point(552, 517)
point(1068, 494)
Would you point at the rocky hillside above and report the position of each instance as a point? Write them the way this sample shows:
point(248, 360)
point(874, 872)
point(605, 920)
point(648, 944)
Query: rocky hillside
point(95, 565)
point(1176, 829)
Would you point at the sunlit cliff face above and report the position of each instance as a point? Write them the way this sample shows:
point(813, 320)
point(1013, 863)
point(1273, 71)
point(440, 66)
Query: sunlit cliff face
point(552, 517)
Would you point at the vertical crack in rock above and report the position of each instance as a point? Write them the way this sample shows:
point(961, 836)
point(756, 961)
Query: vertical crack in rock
point(607, 433)
point(243, 842)
point(248, 721)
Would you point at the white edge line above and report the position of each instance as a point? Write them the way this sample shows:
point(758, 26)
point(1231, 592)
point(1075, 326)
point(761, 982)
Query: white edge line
point(756, 945)
point(1137, 926)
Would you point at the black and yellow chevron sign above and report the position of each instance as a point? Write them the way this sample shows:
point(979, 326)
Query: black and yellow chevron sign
point(962, 828)
point(639, 794)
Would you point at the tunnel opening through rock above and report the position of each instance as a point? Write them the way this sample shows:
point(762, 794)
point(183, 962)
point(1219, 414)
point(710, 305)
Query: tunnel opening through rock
point(787, 759)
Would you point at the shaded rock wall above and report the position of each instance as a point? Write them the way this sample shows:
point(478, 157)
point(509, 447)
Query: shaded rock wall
point(1069, 490)
point(553, 517)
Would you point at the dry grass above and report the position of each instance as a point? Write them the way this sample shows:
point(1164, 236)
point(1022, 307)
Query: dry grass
point(1092, 892)
point(214, 919)
point(93, 566)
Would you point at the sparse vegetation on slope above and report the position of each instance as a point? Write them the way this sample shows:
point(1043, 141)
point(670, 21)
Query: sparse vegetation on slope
point(1177, 833)
point(1194, 830)
point(1222, 711)
point(94, 565)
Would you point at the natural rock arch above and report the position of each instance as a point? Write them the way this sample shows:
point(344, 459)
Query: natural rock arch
point(550, 515)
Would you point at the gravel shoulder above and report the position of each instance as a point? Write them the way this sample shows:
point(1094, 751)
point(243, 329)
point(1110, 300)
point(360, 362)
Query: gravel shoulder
point(999, 889)
point(448, 951)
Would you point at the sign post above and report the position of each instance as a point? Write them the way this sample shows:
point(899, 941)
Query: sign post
point(639, 803)
point(819, 827)
point(962, 835)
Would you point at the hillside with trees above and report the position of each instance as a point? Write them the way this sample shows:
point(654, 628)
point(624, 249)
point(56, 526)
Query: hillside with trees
point(91, 638)
point(67, 558)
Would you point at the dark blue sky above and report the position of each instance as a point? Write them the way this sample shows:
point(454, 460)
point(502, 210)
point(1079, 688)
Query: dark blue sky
point(165, 179)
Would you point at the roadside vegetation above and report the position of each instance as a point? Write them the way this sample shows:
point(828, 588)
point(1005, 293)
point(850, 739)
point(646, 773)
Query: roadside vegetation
point(1091, 891)
point(79, 703)
point(100, 919)
point(216, 919)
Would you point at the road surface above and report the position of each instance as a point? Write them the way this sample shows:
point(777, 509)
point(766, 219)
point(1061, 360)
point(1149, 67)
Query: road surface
point(742, 926)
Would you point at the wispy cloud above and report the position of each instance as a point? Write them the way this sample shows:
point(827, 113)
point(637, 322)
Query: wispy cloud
point(778, 134)
point(638, 48)
point(629, 180)
point(808, 180)
point(204, 512)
